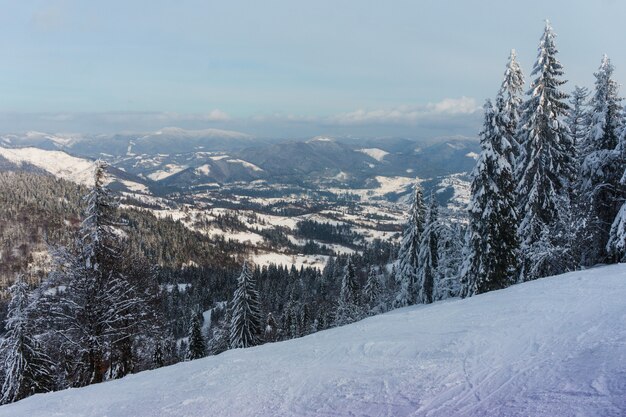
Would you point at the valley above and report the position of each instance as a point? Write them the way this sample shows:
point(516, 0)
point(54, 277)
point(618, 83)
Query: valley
point(281, 208)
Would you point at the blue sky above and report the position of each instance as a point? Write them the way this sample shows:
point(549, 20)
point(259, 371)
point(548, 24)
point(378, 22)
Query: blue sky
point(282, 68)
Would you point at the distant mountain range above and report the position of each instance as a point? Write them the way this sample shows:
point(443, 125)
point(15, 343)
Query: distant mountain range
point(173, 158)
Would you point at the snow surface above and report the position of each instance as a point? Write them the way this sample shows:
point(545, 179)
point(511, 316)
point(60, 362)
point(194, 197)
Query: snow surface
point(204, 169)
point(299, 261)
point(57, 163)
point(321, 139)
point(462, 190)
point(178, 133)
point(375, 153)
point(61, 165)
point(246, 164)
point(386, 185)
point(168, 170)
point(552, 347)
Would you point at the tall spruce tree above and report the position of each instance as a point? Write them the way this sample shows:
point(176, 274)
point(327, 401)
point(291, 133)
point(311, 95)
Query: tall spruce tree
point(616, 246)
point(348, 309)
point(100, 311)
point(406, 271)
point(271, 332)
point(546, 169)
point(491, 243)
point(578, 122)
point(508, 106)
point(450, 259)
point(197, 346)
point(601, 169)
point(373, 289)
point(578, 118)
point(246, 326)
point(220, 339)
point(158, 356)
point(26, 367)
point(428, 257)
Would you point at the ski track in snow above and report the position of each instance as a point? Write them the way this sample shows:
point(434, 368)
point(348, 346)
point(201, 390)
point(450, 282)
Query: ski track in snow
point(552, 347)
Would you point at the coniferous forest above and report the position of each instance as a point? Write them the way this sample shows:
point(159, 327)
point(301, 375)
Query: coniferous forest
point(548, 196)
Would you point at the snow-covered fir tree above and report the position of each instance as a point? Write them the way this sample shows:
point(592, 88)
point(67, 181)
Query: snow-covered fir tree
point(616, 246)
point(578, 122)
point(601, 168)
point(407, 264)
point(450, 258)
point(290, 316)
point(578, 118)
point(348, 309)
point(26, 367)
point(197, 346)
point(100, 313)
point(220, 335)
point(246, 326)
point(372, 291)
point(271, 332)
point(508, 106)
point(158, 356)
point(304, 324)
point(546, 169)
point(491, 243)
point(428, 257)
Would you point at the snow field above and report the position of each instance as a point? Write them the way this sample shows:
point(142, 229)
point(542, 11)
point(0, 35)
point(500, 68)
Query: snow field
point(552, 347)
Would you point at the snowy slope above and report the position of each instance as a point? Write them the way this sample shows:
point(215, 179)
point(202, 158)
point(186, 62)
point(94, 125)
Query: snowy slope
point(552, 347)
point(375, 153)
point(57, 163)
point(63, 165)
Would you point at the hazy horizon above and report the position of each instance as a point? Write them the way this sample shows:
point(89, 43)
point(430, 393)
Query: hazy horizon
point(357, 68)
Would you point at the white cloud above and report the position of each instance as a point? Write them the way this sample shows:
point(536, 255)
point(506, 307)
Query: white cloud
point(408, 113)
point(447, 117)
point(462, 105)
point(217, 115)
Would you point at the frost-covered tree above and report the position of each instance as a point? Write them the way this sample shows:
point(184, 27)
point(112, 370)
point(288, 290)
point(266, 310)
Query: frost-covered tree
point(578, 117)
point(372, 291)
point(220, 340)
point(616, 246)
point(27, 368)
point(450, 259)
point(271, 332)
point(491, 244)
point(546, 169)
point(304, 324)
point(406, 271)
point(601, 168)
point(101, 312)
point(578, 122)
point(348, 309)
point(508, 106)
point(428, 257)
point(158, 356)
point(245, 328)
point(196, 347)
point(290, 316)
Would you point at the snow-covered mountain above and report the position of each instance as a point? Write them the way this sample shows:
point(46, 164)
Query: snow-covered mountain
point(552, 347)
point(291, 161)
point(65, 166)
point(165, 140)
